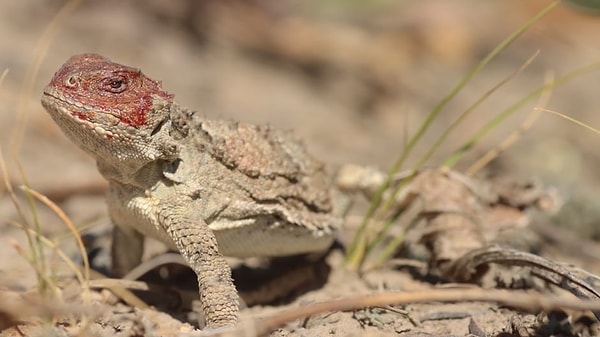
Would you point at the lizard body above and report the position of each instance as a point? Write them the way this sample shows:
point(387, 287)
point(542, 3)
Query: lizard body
point(207, 188)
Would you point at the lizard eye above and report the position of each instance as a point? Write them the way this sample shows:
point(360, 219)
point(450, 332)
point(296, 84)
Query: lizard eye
point(115, 84)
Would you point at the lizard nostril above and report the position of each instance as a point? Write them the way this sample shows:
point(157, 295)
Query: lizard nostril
point(71, 81)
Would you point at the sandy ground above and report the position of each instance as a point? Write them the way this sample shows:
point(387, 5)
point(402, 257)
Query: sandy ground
point(354, 81)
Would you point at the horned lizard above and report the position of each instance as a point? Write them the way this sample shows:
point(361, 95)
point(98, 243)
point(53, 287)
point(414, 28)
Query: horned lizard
point(206, 188)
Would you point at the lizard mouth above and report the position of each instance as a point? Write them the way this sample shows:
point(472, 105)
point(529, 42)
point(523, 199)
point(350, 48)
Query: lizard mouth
point(58, 104)
point(69, 111)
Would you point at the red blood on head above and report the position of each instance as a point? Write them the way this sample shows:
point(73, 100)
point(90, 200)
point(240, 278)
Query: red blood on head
point(102, 86)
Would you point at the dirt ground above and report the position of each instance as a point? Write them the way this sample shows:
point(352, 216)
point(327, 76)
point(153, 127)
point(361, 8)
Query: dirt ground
point(353, 80)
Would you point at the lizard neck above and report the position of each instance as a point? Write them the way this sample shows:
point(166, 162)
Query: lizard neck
point(143, 178)
point(142, 161)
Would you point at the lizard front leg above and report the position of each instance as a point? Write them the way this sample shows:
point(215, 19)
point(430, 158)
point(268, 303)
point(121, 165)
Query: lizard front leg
point(198, 246)
point(126, 250)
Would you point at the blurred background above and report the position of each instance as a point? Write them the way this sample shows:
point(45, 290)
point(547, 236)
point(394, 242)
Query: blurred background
point(352, 78)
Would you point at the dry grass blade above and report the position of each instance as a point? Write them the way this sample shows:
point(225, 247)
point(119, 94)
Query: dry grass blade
point(470, 265)
point(529, 301)
point(120, 286)
point(45, 281)
point(120, 289)
point(35, 256)
point(32, 71)
point(154, 263)
point(514, 136)
point(385, 209)
point(49, 243)
point(356, 254)
point(3, 75)
point(571, 119)
point(473, 106)
point(59, 212)
point(110, 283)
point(38, 246)
point(19, 307)
point(501, 117)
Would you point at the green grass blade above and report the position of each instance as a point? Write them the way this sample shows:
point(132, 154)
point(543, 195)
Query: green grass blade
point(470, 109)
point(458, 154)
point(355, 254)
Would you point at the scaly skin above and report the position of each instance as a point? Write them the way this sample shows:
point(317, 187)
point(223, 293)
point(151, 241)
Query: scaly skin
point(203, 187)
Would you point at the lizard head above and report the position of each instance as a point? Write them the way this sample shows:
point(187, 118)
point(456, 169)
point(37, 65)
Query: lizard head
point(112, 111)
